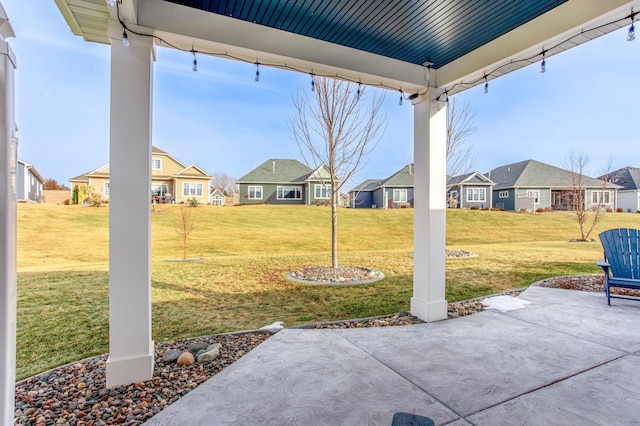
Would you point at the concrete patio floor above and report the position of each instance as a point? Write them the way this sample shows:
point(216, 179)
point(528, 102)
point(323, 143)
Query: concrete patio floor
point(565, 359)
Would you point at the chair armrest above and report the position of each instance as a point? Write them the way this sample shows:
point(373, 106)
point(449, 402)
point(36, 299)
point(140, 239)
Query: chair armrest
point(604, 265)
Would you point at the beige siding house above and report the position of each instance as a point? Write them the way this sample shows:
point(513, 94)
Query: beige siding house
point(171, 181)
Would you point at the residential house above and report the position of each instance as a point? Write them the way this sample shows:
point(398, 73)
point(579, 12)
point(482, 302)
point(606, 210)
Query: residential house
point(171, 181)
point(469, 190)
point(216, 197)
point(284, 181)
point(29, 183)
point(396, 191)
point(532, 185)
point(629, 194)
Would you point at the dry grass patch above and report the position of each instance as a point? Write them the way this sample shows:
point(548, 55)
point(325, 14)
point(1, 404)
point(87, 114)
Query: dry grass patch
point(247, 251)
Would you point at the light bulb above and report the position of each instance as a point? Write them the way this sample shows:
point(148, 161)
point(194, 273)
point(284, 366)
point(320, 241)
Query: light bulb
point(257, 72)
point(359, 92)
point(486, 86)
point(195, 63)
point(401, 98)
point(313, 84)
point(543, 65)
point(631, 35)
point(125, 39)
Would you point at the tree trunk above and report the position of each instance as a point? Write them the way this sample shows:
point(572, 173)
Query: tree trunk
point(334, 229)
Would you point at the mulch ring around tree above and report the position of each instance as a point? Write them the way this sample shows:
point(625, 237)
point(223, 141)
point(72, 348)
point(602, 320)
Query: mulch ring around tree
point(342, 275)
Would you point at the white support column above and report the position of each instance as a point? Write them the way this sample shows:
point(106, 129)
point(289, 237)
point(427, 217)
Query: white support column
point(429, 227)
point(8, 227)
point(131, 349)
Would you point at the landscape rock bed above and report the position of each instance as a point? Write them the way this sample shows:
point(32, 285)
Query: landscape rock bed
point(340, 275)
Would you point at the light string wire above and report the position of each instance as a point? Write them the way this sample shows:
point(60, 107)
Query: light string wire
point(445, 93)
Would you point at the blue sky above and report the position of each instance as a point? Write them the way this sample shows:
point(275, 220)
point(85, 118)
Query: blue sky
point(220, 119)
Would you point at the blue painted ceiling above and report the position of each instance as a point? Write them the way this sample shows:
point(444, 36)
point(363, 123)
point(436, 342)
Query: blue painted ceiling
point(414, 31)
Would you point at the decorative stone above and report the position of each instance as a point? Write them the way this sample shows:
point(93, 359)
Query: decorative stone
point(209, 356)
point(186, 358)
point(194, 347)
point(214, 346)
point(171, 355)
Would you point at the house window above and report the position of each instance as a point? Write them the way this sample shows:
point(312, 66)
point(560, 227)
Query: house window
point(476, 194)
point(255, 193)
point(535, 195)
point(289, 193)
point(601, 197)
point(453, 195)
point(105, 189)
point(503, 194)
point(192, 189)
point(322, 191)
point(217, 200)
point(399, 195)
point(159, 189)
point(156, 163)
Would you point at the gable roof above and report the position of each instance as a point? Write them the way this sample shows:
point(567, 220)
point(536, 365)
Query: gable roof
point(367, 185)
point(473, 178)
point(276, 170)
point(404, 177)
point(33, 170)
point(628, 178)
point(534, 174)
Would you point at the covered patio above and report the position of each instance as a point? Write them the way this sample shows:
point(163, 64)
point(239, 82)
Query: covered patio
point(424, 51)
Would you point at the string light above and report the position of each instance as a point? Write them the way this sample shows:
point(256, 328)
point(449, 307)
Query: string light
point(125, 39)
point(359, 92)
point(464, 84)
point(195, 61)
point(257, 71)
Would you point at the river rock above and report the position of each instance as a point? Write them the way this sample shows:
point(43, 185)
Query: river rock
point(186, 358)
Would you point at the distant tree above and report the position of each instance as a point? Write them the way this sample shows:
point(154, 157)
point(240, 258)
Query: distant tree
point(184, 226)
point(52, 184)
point(577, 164)
point(222, 181)
point(460, 126)
point(333, 126)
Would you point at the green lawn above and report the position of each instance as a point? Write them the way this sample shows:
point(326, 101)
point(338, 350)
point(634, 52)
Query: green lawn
point(63, 268)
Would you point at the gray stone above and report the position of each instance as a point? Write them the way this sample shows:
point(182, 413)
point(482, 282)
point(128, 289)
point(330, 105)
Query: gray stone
point(209, 356)
point(214, 346)
point(194, 347)
point(171, 355)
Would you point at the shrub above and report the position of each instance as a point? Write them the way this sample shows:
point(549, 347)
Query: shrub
point(96, 202)
point(609, 209)
point(539, 210)
point(619, 210)
point(474, 208)
point(317, 202)
point(192, 202)
point(327, 203)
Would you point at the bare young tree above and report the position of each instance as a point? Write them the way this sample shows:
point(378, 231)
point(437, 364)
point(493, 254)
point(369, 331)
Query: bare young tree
point(222, 181)
point(587, 218)
point(184, 226)
point(459, 127)
point(333, 126)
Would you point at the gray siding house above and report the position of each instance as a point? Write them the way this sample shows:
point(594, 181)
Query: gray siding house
point(394, 192)
point(284, 181)
point(530, 185)
point(470, 190)
point(629, 193)
point(29, 183)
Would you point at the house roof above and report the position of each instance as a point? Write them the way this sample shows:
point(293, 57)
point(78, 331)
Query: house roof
point(33, 170)
point(534, 174)
point(470, 178)
point(276, 170)
point(368, 185)
point(402, 178)
point(628, 178)
point(191, 171)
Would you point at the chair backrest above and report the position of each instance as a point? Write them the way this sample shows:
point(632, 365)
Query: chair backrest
point(621, 247)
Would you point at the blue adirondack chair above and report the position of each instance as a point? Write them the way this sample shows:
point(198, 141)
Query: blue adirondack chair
point(621, 263)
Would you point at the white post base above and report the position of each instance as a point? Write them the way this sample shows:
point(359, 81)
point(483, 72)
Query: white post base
point(429, 311)
point(130, 370)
